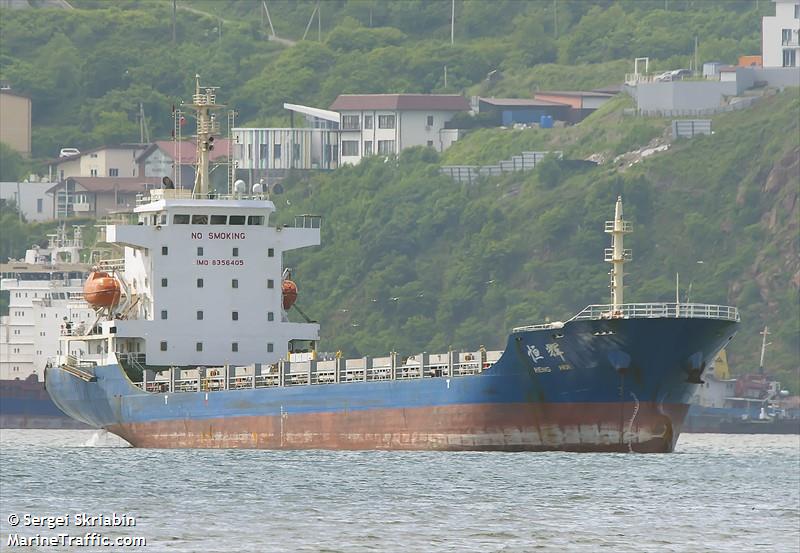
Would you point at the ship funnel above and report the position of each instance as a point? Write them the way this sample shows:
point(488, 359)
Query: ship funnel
point(617, 255)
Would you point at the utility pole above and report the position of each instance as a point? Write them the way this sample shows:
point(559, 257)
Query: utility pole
point(452, 22)
point(319, 22)
point(445, 77)
point(555, 17)
point(695, 55)
point(174, 18)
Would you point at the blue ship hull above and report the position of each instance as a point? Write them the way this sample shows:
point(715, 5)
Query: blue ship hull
point(610, 385)
point(26, 404)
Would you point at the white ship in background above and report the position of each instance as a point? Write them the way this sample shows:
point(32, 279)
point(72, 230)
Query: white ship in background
point(45, 299)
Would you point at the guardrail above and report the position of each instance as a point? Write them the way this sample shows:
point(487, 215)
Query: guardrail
point(658, 311)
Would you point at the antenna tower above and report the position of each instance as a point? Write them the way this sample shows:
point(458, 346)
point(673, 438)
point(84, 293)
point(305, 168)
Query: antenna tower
point(617, 255)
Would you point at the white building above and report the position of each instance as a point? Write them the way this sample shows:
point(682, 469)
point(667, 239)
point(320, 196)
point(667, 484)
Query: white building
point(780, 46)
point(31, 198)
point(386, 124)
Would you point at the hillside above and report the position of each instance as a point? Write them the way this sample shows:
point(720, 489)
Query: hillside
point(88, 69)
point(412, 261)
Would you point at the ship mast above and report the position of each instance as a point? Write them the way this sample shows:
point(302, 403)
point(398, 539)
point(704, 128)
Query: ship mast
point(207, 126)
point(617, 255)
point(764, 345)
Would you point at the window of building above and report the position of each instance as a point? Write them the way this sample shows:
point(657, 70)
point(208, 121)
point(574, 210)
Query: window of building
point(93, 156)
point(270, 316)
point(219, 219)
point(235, 347)
point(270, 347)
point(351, 123)
point(163, 346)
point(367, 121)
point(199, 251)
point(113, 172)
point(235, 283)
point(430, 143)
point(270, 283)
point(276, 151)
point(198, 346)
point(797, 11)
point(349, 147)
point(93, 172)
point(163, 314)
point(39, 205)
point(786, 36)
point(164, 250)
point(385, 147)
point(234, 315)
point(199, 219)
point(368, 147)
point(429, 121)
point(270, 252)
point(789, 58)
point(262, 151)
point(199, 282)
point(164, 282)
point(180, 219)
point(386, 121)
point(236, 220)
point(199, 315)
point(235, 252)
point(249, 151)
point(255, 220)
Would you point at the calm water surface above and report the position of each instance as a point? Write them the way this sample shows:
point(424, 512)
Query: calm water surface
point(716, 493)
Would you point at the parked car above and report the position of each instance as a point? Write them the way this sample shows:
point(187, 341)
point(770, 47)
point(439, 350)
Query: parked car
point(67, 152)
point(674, 75)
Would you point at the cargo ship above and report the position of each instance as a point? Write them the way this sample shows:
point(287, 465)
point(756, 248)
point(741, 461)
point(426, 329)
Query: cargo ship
point(753, 403)
point(194, 349)
point(45, 296)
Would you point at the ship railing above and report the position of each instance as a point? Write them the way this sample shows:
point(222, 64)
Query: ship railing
point(658, 311)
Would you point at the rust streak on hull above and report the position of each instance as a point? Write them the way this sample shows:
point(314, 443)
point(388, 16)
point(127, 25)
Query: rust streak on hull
point(582, 427)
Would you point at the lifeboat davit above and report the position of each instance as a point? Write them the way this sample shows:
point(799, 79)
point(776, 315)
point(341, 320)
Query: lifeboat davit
point(289, 294)
point(101, 290)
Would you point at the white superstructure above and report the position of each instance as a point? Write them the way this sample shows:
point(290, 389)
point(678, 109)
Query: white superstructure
point(202, 276)
point(44, 289)
point(204, 281)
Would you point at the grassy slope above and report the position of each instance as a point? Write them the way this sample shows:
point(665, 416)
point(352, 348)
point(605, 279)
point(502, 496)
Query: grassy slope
point(467, 263)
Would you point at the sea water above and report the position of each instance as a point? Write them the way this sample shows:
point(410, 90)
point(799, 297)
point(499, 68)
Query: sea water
point(715, 493)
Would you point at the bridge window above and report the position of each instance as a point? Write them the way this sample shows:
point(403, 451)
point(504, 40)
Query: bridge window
point(199, 219)
point(236, 220)
point(255, 220)
point(219, 219)
point(180, 219)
